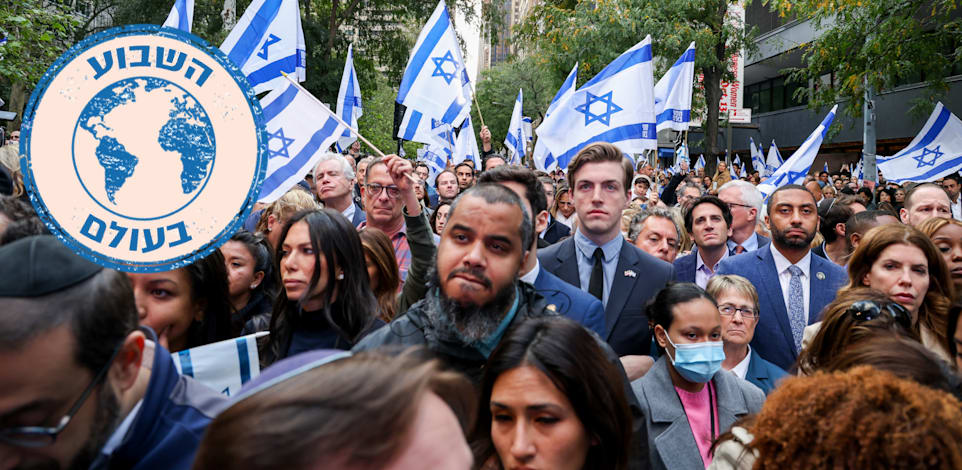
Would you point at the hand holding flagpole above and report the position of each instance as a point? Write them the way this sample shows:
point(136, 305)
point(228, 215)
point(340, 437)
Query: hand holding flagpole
point(341, 121)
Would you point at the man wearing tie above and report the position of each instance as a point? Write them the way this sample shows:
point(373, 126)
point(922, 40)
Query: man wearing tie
point(745, 203)
point(793, 286)
point(598, 259)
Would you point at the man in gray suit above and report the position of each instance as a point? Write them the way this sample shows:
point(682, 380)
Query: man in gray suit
point(599, 260)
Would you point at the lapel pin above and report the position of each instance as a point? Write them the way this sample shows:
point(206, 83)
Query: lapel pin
point(820, 275)
point(630, 273)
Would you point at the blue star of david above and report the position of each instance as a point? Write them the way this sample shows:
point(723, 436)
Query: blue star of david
point(605, 117)
point(439, 67)
point(925, 151)
point(285, 145)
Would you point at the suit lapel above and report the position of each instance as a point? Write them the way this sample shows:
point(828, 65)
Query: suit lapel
point(820, 290)
point(568, 263)
point(676, 443)
point(621, 286)
point(773, 290)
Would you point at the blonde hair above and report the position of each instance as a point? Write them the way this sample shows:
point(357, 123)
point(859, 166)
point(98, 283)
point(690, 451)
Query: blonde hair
point(294, 200)
point(725, 282)
point(10, 157)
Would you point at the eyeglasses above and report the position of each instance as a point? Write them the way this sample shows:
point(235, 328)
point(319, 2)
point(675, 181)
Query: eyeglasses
point(867, 310)
point(39, 436)
point(392, 191)
point(729, 310)
point(732, 205)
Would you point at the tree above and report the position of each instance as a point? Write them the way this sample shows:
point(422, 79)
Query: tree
point(882, 43)
point(498, 87)
point(594, 33)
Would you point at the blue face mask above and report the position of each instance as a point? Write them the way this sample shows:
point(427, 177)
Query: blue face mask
point(697, 362)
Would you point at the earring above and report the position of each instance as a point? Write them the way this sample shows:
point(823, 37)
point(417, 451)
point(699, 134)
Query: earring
point(340, 276)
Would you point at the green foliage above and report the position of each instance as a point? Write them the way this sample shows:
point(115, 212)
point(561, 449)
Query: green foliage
point(377, 122)
point(498, 87)
point(884, 43)
point(37, 33)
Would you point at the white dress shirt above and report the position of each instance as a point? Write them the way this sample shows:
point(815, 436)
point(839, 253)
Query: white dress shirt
point(741, 369)
point(785, 277)
point(349, 212)
point(532, 275)
point(956, 208)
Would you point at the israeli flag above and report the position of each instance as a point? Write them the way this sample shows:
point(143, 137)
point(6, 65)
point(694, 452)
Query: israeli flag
point(673, 93)
point(681, 155)
point(935, 152)
point(224, 366)
point(466, 147)
point(526, 126)
point(434, 82)
point(742, 173)
point(825, 167)
point(299, 130)
point(181, 15)
point(616, 106)
point(774, 160)
point(700, 164)
point(858, 173)
point(758, 161)
point(266, 41)
point(349, 100)
point(515, 140)
point(794, 169)
point(436, 157)
point(543, 159)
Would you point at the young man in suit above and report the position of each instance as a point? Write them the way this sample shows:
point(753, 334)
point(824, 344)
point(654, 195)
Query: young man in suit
point(599, 260)
point(793, 285)
point(745, 203)
point(709, 223)
point(567, 299)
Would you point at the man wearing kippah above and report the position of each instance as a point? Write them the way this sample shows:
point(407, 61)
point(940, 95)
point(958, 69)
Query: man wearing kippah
point(80, 385)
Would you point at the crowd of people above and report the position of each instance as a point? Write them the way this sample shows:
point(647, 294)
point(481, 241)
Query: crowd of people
point(608, 316)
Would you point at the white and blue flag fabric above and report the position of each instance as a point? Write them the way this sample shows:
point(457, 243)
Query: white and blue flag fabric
point(700, 164)
point(681, 155)
point(526, 125)
point(436, 157)
point(299, 130)
point(858, 172)
point(543, 159)
point(349, 100)
point(515, 140)
point(266, 41)
point(435, 83)
point(181, 15)
point(935, 152)
point(758, 161)
point(224, 366)
point(616, 106)
point(743, 173)
point(466, 146)
point(774, 160)
point(673, 93)
point(794, 169)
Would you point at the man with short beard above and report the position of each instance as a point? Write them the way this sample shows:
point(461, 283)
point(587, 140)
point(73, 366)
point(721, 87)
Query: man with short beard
point(793, 286)
point(81, 386)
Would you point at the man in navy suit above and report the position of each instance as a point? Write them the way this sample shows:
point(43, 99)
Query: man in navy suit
point(567, 299)
point(334, 183)
point(597, 258)
point(708, 220)
point(793, 285)
point(745, 203)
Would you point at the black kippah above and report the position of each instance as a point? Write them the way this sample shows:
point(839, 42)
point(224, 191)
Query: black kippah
point(41, 265)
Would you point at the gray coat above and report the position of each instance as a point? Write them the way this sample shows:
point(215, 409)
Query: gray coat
point(671, 444)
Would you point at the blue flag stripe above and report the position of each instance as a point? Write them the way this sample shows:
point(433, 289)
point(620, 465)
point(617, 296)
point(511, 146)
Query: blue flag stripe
point(280, 104)
point(244, 48)
point(283, 173)
point(930, 136)
point(627, 132)
point(186, 367)
point(413, 123)
point(273, 70)
point(513, 141)
point(452, 112)
point(954, 163)
point(182, 20)
point(668, 115)
point(244, 360)
point(636, 57)
point(421, 55)
point(349, 100)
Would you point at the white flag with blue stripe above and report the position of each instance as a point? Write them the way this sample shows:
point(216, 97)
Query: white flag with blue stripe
point(181, 15)
point(543, 159)
point(774, 160)
point(616, 106)
point(299, 130)
point(349, 100)
point(700, 164)
point(266, 41)
point(858, 172)
point(794, 169)
point(758, 161)
point(673, 93)
point(436, 157)
point(742, 173)
point(515, 139)
point(224, 366)
point(435, 81)
point(935, 152)
point(466, 146)
point(681, 155)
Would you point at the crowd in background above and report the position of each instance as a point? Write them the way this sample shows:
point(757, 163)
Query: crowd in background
point(610, 316)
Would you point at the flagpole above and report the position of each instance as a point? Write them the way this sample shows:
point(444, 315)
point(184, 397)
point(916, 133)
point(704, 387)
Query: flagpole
point(341, 121)
point(478, 106)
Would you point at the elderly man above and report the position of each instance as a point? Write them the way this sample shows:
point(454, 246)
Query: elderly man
point(81, 386)
point(923, 202)
point(745, 203)
point(654, 231)
point(687, 194)
point(334, 183)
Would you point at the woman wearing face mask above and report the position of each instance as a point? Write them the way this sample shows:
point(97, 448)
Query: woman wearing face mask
point(686, 398)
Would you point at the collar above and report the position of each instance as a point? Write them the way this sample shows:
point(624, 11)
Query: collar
point(118, 435)
point(349, 212)
point(402, 231)
point(532, 275)
point(699, 262)
point(782, 263)
point(486, 346)
point(587, 247)
point(741, 369)
point(750, 243)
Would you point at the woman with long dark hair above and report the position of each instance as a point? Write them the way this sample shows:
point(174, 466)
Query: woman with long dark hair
point(382, 270)
point(326, 301)
point(252, 280)
point(551, 399)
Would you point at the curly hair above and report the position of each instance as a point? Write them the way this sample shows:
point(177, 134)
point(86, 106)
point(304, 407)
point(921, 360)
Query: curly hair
point(862, 418)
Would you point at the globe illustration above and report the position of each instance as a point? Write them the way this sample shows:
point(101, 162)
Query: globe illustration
point(143, 148)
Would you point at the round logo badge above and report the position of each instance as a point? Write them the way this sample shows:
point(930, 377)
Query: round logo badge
point(144, 148)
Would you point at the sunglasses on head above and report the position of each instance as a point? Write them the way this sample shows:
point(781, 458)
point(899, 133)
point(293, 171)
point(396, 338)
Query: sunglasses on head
point(867, 310)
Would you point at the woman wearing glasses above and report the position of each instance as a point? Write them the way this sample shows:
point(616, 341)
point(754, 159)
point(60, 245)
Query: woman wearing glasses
point(738, 306)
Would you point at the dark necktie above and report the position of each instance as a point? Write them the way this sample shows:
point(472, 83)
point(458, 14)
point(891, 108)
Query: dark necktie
point(596, 286)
